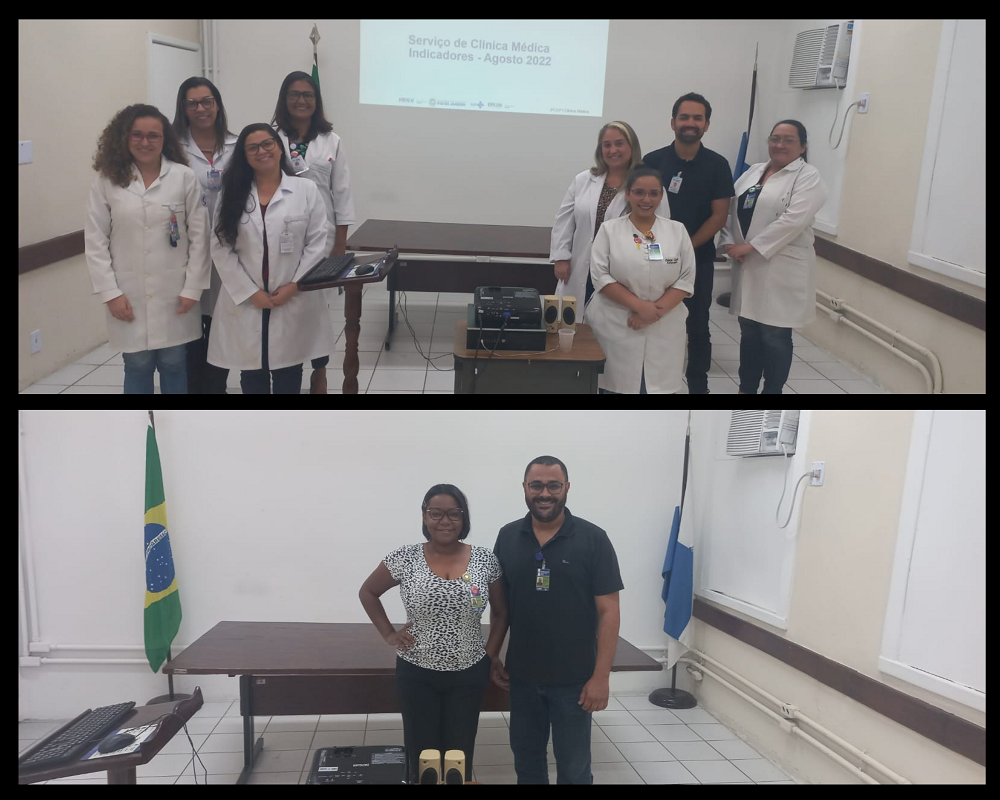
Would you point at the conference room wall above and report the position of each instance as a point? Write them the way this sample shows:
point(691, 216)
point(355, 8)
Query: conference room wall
point(281, 516)
point(72, 77)
point(448, 165)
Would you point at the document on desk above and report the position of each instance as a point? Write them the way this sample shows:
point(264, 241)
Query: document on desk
point(141, 734)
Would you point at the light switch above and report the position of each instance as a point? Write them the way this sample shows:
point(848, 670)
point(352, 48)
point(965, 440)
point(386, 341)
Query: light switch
point(24, 153)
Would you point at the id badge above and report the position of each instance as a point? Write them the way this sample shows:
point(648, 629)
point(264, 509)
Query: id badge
point(675, 183)
point(477, 597)
point(299, 164)
point(748, 203)
point(285, 242)
point(654, 252)
point(214, 180)
point(542, 581)
point(175, 235)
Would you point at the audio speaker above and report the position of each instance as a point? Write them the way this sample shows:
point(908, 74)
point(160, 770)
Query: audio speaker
point(454, 766)
point(550, 312)
point(429, 766)
point(568, 312)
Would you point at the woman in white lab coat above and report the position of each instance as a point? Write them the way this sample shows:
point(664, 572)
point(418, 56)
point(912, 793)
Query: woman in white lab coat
point(642, 266)
point(146, 240)
point(593, 196)
point(270, 229)
point(770, 239)
point(317, 153)
point(201, 126)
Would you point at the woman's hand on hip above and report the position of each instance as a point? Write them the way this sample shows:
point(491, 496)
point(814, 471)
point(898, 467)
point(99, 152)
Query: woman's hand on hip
point(401, 639)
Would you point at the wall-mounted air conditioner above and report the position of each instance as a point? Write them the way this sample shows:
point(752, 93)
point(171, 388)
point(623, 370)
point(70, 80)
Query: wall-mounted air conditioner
point(762, 433)
point(821, 57)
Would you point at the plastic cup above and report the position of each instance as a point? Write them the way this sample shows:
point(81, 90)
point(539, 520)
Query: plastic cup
point(566, 339)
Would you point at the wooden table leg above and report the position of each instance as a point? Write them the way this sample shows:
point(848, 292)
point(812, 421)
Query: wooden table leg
point(352, 313)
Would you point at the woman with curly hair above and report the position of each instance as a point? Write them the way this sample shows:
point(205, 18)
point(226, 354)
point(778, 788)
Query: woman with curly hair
point(146, 238)
point(270, 228)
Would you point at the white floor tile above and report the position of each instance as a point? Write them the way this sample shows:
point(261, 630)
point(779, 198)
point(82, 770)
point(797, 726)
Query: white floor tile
point(70, 374)
point(693, 751)
point(712, 732)
point(760, 769)
point(716, 772)
point(660, 772)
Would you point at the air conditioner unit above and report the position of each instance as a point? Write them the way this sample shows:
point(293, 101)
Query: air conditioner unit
point(762, 433)
point(821, 57)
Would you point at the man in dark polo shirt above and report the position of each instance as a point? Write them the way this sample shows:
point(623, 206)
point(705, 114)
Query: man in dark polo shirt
point(699, 185)
point(562, 581)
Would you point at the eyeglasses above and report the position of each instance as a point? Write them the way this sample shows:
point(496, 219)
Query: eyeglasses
point(652, 194)
point(783, 139)
point(138, 136)
point(267, 144)
point(205, 102)
point(304, 95)
point(436, 514)
point(535, 487)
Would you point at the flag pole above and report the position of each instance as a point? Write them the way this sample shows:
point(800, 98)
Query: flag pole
point(170, 696)
point(674, 697)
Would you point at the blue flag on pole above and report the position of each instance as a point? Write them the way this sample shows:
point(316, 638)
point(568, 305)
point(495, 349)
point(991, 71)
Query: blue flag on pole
point(741, 165)
point(678, 586)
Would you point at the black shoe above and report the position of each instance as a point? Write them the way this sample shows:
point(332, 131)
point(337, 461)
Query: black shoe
point(723, 299)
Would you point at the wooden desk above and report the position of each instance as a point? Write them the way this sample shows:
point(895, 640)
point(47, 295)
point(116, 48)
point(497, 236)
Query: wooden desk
point(450, 257)
point(320, 668)
point(121, 768)
point(513, 372)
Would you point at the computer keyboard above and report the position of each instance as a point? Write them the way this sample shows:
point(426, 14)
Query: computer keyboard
point(82, 735)
point(330, 268)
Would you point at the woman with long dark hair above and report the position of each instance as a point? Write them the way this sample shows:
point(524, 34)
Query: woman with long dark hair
point(201, 126)
point(146, 236)
point(270, 228)
point(317, 153)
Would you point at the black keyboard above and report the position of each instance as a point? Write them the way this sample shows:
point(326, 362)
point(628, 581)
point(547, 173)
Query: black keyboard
point(85, 733)
point(328, 269)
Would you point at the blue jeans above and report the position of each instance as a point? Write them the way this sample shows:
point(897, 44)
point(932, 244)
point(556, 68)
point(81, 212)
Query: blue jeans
point(764, 349)
point(533, 707)
point(170, 361)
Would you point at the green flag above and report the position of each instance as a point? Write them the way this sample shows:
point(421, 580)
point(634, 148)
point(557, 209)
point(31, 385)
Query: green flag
point(315, 73)
point(163, 604)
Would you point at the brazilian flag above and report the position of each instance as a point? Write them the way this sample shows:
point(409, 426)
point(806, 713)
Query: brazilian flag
point(163, 604)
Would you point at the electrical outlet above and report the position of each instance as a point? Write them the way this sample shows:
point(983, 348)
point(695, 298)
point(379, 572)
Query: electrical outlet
point(863, 103)
point(36, 341)
point(818, 473)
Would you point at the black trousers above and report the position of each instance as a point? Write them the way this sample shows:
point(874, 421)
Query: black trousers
point(699, 339)
point(204, 378)
point(440, 709)
point(287, 380)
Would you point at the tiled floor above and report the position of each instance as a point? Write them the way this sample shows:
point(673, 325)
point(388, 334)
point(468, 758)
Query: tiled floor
point(432, 317)
point(633, 741)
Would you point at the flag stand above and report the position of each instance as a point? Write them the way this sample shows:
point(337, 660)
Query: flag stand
point(674, 697)
point(171, 696)
point(168, 698)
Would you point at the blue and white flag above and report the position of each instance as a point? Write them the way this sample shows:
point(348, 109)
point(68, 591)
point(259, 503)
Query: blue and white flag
point(678, 586)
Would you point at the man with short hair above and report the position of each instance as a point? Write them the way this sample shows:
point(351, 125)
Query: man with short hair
point(561, 580)
point(699, 185)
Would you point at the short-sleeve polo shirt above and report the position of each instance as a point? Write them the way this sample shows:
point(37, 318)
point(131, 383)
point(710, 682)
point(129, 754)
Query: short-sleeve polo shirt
point(553, 634)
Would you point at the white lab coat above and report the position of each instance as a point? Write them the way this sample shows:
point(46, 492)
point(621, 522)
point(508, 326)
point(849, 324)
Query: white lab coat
point(659, 346)
point(201, 167)
point(573, 232)
point(776, 283)
point(329, 170)
point(299, 330)
point(127, 242)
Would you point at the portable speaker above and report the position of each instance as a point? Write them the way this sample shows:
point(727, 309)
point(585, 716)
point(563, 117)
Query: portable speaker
point(430, 766)
point(454, 766)
point(568, 312)
point(550, 312)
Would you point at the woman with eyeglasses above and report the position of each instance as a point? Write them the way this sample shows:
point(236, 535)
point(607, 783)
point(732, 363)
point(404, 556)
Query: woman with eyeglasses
point(270, 228)
point(146, 240)
point(317, 153)
point(642, 266)
point(442, 663)
point(594, 195)
point(200, 125)
point(769, 236)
